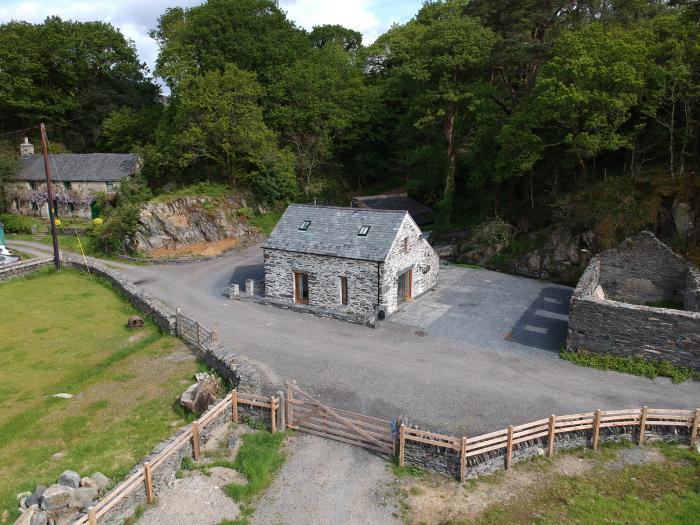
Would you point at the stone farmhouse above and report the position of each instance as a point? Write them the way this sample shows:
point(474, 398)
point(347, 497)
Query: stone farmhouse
point(76, 180)
point(348, 260)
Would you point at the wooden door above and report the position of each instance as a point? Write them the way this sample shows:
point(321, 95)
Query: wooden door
point(405, 286)
point(301, 288)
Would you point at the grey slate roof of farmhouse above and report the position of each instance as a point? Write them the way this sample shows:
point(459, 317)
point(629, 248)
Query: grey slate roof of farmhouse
point(79, 167)
point(334, 231)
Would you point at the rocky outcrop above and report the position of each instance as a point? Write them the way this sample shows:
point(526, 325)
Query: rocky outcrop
point(190, 220)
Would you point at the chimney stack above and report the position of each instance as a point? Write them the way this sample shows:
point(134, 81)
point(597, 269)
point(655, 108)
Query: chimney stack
point(26, 148)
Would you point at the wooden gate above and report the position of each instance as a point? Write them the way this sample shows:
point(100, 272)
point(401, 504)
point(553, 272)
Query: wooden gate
point(306, 414)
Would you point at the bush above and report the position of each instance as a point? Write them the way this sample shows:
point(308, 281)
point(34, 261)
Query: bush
point(20, 223)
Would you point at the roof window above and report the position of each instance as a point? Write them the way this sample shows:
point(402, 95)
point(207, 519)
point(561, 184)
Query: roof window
point(305, 225)
point(363, 231)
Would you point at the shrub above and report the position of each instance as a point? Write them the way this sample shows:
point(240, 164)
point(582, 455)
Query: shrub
point(20, 223)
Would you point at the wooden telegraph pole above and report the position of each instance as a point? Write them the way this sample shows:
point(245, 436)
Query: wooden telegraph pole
point(52, 218)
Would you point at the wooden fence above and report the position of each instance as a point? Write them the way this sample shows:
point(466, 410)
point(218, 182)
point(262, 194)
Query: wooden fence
point(191, 330)
point(644, 418)
point(192, 435)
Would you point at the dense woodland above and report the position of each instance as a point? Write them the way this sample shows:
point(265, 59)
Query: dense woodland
point(480, 108)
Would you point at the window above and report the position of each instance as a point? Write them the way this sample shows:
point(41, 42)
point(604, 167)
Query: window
point(405, 245)
point(363, 231)
point(32, 185)
point(67, 186)
point(305, 225)
point(343, 290)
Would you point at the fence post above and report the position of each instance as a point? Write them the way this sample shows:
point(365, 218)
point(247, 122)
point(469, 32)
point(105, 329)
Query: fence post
point(696, 424)
point(196, 440)
point(92, 516)
point(148, 481)
point(273, 414)
point(509, 448)
point(550, 437)
point(642, 425)
point(463, 460)
point(234, 406)
point(198, 343)
point(596, 429)
point(290, 398)
point(402, 439)
point(281, 414)
point(178, 330)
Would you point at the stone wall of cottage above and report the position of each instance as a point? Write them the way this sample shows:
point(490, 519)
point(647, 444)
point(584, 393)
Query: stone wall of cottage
point(324, 280)
point(25, 197)
point(419, 257)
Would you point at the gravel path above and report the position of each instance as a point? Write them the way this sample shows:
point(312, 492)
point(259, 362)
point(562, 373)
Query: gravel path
point(328, 482)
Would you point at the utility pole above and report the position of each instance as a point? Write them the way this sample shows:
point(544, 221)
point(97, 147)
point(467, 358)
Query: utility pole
point(47, 169)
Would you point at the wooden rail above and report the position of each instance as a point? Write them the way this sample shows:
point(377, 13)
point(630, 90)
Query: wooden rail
point(192, 331)
point(645, 418)
point(192, 434)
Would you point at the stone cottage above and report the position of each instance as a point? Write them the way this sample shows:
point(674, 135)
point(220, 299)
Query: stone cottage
point(76, 181)
point(640, 299)
point(348, 260)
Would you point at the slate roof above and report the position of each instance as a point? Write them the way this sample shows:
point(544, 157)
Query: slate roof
point(80, 167)
point(334, 231)
point(420, 213)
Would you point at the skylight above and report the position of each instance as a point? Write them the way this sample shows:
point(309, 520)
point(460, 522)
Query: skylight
point(363, 231)
point(304, 226)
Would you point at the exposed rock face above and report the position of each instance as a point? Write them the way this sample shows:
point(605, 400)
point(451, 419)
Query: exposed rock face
point(189, 220)
point(55, 497)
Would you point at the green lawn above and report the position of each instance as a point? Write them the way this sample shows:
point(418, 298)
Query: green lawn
point(66, 333)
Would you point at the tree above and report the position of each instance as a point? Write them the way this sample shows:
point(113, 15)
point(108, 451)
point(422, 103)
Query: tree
point(126, 129)
point(348, 39)
point(70, 75)
point(215, 128)
point(318, 99)
point(444, 54)
point(255, 35)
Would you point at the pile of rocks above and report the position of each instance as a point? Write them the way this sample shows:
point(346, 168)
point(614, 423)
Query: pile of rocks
point(204, 393)
point(61, 503)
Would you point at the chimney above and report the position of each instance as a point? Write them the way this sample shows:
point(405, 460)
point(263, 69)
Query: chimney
point(26, 148)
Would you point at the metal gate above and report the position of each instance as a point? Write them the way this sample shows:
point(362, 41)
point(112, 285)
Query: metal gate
point(306, 414)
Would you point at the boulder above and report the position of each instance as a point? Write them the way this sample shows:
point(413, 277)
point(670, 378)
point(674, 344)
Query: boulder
point(69, 478)
point(88, 482)
point(35, 498)
point(682, 218)
point(200, 396)
point(79, 498)
point(55, 497)
point(63, 516)
point(101, 481)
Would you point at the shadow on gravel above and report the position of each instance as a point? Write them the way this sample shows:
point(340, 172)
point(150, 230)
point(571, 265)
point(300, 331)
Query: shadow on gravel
point(543, 325)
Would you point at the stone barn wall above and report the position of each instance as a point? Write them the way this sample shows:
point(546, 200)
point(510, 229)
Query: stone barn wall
point(643, 270)
point(599, 324)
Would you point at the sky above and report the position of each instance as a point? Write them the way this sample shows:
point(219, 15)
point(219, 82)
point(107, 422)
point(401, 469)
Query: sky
point(136, 17)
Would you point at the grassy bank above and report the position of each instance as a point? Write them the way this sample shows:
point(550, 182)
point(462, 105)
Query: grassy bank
point(66, 333)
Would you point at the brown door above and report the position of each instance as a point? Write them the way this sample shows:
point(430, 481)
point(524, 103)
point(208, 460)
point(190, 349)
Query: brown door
point(301, 288)
point(405, 286)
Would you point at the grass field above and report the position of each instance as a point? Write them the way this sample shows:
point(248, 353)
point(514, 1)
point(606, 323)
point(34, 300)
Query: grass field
point(66, 333)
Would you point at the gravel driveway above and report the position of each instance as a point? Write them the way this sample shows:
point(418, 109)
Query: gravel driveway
point(439, 379)
point(325, 481)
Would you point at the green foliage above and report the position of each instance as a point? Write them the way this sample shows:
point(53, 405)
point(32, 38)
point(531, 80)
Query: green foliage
point(631, 365)
point(126, 129)
point(265, 222)
point(201, 189)
point(69, 74)
point(253, 423)
point(21, 223)
point(258, 459)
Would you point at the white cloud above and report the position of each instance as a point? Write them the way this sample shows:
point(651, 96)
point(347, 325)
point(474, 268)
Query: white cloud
point(355, 15)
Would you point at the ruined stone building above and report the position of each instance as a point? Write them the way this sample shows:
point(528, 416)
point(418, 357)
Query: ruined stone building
point(640, 299)
point(348, 260)
point(77, 179)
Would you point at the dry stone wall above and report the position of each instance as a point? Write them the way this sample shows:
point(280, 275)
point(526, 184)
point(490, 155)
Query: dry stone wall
point(599, 324)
